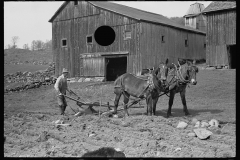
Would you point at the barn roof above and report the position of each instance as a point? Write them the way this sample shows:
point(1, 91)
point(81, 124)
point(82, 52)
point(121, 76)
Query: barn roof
point(220, 5)
point(133, 13)
point(194, 9)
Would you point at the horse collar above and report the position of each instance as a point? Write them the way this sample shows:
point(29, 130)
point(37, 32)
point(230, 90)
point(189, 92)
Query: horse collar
point(150, 82)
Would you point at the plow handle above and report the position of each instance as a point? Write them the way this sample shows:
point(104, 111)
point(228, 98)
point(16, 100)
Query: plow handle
point(70, 91)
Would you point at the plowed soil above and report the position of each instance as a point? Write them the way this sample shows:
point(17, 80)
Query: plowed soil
point(30, 130)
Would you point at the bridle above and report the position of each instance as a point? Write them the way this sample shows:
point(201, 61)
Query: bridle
point(178, 76)
point(161, 71)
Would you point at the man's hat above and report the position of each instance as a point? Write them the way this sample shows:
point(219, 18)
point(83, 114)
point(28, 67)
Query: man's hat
point(64, 70)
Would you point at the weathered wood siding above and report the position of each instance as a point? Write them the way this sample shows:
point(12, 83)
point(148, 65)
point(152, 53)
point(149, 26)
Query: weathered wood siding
point(197, 22)
point(75, 23)
point(201, 20)
point(153, 51)
point(145, 47)
point(221, 31)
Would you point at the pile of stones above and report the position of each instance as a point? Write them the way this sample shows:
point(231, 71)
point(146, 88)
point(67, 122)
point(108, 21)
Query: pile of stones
point(201, 128)
point(30, 80)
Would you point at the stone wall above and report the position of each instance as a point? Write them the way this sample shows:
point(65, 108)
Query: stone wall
point(28, 80)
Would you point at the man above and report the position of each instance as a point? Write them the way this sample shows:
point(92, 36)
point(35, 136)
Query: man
point(61, 87)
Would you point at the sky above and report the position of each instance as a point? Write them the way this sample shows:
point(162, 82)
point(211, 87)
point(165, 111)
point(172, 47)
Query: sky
point(29, 20)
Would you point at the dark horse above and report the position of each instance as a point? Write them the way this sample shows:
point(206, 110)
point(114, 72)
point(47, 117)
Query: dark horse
point(148, 87)
point(177, 80)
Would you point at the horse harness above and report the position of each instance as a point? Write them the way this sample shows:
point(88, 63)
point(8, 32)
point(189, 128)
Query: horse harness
point(150, 87)
point(177, 78)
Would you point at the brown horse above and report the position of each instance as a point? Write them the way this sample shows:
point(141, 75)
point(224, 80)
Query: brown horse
point(177, 80)
point(149, 88)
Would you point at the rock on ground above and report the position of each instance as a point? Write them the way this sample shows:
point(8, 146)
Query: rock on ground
point(202, 133)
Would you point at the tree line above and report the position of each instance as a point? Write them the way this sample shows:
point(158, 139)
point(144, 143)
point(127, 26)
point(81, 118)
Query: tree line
point(36, 45)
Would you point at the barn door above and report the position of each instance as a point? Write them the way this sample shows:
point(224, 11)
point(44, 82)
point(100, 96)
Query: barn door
point(231, 49)
point(115, 67)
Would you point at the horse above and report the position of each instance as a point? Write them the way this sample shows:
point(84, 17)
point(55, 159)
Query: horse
point(178, 77)
point(139, 87)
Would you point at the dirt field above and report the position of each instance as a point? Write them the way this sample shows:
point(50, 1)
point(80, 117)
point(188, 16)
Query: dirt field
point(30, 131)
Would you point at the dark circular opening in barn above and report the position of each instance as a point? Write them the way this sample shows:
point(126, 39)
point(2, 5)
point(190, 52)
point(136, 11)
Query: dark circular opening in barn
point(104, 35)
point(115, 67)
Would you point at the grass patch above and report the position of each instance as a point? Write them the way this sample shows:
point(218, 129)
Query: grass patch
point(23, 55)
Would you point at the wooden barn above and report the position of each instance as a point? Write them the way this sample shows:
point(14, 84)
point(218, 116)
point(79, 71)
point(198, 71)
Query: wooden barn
point(194, 17)
point(221, 34)
point(142, 40)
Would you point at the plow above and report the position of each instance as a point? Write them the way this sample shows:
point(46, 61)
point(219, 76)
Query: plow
point(80, 102)
point(107, 105)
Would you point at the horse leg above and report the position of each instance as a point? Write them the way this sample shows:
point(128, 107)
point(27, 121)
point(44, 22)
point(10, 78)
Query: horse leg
point(116, 101)
point(155, 100)
point(170, 103)
point(126, 99)
point(182, 94)
point(149, 101)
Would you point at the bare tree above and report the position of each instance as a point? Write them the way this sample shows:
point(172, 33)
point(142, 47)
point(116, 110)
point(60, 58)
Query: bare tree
point(39, 45)
point(14, 41)
point(48, 44)
point(25, 46)
point(33, 45)
point(9, 46)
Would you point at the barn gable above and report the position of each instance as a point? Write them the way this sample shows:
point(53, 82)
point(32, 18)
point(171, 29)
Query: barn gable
point(131, 13)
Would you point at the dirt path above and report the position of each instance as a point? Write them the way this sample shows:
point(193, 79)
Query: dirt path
point(30, 131)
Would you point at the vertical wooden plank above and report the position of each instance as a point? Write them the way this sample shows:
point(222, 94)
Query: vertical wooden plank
point(61, 52)
point(228, 28)
point(77, 63)
point(234, 26)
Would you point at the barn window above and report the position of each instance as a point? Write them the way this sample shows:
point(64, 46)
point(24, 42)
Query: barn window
point(163, 39)
point(127, 35)
point(64, 42)
point(204, 45)
point(186, 43)
point(75, 3)
point(187, 20)
point(89, 39)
